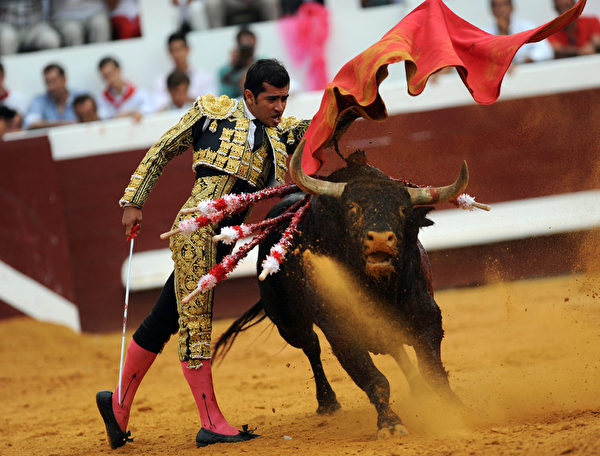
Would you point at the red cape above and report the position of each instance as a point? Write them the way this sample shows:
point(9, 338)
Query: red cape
point(428, 39)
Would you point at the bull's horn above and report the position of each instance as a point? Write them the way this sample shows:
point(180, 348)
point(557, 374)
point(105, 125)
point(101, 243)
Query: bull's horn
point(310, 184)
point(432, 195)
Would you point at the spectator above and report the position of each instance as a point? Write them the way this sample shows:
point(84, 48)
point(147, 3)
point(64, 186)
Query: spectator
point(81, 21)
point(231, 75)
point(178, 84)
point(581, 37)
point(200, 82)
point(85, 108)
point(192, 15)
point(124, 19)
point(24, 26)
point(7, 116)
point(289, 7)
point(121, 98)
point(235, 12)
point(507, 24)
point(12, 100)
point(55, 107)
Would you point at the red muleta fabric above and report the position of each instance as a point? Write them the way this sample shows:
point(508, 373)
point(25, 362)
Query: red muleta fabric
point(428, 39)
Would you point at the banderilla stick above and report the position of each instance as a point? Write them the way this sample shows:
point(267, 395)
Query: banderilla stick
point(482, 206)
point(168, 234)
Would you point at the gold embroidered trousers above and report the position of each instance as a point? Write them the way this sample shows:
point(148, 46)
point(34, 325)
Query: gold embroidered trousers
point(193, 256)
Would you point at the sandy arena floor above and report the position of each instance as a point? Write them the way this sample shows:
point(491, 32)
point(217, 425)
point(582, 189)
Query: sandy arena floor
point(524, 357)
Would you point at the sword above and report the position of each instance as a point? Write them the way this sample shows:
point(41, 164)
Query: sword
point(130, 238)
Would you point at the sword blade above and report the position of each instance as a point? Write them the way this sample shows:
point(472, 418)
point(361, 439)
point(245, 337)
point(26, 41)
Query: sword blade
point(125, 317)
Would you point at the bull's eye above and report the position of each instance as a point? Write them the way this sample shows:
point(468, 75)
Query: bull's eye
point(353, 210)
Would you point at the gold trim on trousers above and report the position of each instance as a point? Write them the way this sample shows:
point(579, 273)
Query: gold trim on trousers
point(193, 256)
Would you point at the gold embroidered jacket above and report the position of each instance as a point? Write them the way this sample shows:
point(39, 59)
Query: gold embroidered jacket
point(223, 146)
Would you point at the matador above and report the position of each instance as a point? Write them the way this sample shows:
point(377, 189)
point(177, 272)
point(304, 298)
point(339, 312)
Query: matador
point(238, 146)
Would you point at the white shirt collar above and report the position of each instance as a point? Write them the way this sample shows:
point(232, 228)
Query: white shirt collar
point(248, 113)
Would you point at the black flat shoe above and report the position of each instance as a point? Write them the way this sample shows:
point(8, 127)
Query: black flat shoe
point(115, 436)
point(206, 437)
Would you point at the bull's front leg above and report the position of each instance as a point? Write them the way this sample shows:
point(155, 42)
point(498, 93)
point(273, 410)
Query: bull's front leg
point(432, 369)
point(359, 365)
point(427, 342)
point(413, 377)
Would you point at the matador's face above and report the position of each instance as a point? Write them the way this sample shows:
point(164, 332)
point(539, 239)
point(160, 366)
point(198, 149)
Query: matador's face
point(269, 105)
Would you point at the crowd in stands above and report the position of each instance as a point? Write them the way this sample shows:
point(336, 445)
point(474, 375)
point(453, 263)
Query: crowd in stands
point(204, 14)
point(581, 37)
point(33, 25)
point(175, 89)
point(178, 86)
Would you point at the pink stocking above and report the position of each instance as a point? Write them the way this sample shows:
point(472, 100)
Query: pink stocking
point(137, 363)
point(201, 384)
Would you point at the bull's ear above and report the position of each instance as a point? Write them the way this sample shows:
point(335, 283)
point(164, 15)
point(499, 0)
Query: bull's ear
point(419, 215)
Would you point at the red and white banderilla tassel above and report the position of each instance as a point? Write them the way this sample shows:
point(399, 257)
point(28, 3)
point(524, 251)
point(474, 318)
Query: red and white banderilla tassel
point(219, 272)
point(463, 201)
point(277, 254)
point(230, 234)
point(213, 211)
point(468, 203)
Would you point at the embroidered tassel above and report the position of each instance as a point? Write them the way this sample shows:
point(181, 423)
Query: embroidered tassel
point(213, 126)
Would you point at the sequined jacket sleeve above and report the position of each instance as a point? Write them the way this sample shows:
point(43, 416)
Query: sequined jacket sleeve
point(174, 142)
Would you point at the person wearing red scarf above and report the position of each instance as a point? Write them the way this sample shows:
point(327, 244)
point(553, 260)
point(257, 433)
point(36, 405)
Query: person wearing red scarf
point(121, 98)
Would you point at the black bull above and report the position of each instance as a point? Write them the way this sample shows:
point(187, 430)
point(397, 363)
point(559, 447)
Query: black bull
point(368, 223)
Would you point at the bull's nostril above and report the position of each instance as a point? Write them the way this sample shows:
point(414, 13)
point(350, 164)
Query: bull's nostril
point(391, 238)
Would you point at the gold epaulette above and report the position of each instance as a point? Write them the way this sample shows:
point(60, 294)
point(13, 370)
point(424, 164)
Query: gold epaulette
point(215, 107)
point(287, 123)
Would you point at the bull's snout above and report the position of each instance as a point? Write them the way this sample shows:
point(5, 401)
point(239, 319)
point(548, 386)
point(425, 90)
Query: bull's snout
point(379, 249)
point(380, 241)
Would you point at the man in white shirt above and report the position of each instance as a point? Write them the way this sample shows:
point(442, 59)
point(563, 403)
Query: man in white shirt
point(121, 98)
point(201, 82)
point(81, 21)
point(24, 26)
point(508, 24)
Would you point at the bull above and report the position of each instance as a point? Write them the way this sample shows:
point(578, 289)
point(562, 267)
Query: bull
point(368, 223)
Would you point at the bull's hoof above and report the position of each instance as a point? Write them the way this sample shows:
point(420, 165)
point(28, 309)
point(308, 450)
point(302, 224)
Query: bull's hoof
point(329, 409)
point(392, 432)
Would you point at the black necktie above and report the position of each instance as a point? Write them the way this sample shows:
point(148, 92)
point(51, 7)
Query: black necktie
point(259, 133)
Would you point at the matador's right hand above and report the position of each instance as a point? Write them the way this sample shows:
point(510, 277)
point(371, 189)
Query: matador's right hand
point(131, 216)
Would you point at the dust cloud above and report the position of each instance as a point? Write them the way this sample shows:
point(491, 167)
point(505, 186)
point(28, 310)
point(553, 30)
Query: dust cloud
point(514, 351)
point(522, 356)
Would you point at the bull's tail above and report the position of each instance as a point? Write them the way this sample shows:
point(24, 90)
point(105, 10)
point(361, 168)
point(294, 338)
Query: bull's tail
point(249, 319)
